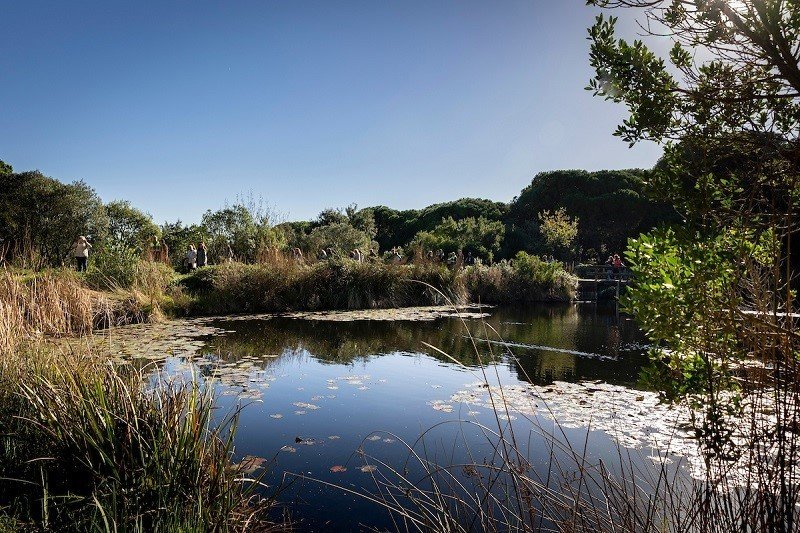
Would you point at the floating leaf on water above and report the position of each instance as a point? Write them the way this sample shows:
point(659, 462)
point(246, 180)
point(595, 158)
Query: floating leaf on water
point(304, 405)
point(288, 449)
point(332, 387)
point(368, 469)
point(276, 415)
point(374, 438)
point(251, 463)
point(388, 440)
point(439, 405)
point(300, 412)
point(338, 468)
point(334, 437)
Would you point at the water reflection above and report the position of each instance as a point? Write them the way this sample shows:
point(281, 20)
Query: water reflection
point(548, 343)
point(313, 393)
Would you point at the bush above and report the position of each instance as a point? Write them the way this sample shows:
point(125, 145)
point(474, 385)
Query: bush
point(112, 267)
point(526, 279)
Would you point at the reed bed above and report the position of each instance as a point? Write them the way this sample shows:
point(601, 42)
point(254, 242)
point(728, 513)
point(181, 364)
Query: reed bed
point(284, 285)
point(48, 303)
point(89, 446)
point(332, 284)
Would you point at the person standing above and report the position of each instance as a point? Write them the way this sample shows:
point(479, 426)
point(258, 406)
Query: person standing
point(202, 255)
point(191, 258)
point(80, 250)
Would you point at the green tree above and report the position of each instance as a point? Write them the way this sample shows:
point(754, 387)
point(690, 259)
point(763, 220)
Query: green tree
point(479, 236)
point(612, 205)
point(130, 227)
point(178, 237)
point(40, 213)
point(719, 289)
point(558, 231)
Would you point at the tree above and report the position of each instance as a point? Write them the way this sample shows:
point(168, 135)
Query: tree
point(719, 289)
point(178, 237)
point(232, 226)
point(40, 213)
point(341, 236)
point(612, 205)
point(558, 231)
point(478, 236)
point(130, 227)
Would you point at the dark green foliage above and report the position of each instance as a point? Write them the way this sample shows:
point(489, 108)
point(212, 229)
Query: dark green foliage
point(611, 205)
point(178, 237)
point(480, 237)
point(398, 228)
point(40, 212)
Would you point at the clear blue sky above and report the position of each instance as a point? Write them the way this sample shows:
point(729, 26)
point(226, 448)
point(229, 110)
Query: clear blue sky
point(178, 106)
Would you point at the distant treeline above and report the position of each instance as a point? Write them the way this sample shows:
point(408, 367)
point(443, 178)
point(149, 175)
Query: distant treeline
point(570, 214)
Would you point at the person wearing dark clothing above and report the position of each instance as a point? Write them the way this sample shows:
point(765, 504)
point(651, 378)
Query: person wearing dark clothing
point(202, 255)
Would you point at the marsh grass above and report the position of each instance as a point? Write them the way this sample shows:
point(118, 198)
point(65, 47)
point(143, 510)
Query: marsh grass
point(284, 285)
point(89, 446)
point(332, 284)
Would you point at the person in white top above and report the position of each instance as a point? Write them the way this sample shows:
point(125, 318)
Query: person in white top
point(80, 250)
point(191, 257)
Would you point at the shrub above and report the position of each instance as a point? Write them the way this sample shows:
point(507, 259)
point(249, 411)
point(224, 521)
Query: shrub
point(525, 279)
point(112, 267)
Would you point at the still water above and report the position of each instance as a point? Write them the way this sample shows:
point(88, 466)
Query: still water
point(343, 402)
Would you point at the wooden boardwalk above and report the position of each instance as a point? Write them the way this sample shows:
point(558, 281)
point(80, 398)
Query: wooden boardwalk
point(598, 279)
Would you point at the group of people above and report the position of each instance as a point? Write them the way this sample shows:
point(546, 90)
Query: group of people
point(614, 264)
point(452, 259)
point(199, 257)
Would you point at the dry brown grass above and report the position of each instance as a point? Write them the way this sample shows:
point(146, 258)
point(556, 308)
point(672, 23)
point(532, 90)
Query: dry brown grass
point(51, 304)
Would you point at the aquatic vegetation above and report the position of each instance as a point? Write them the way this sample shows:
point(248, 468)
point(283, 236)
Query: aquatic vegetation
point(86, 444)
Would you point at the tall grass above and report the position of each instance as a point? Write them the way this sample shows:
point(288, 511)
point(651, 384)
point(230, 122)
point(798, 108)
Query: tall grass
point(332, 284)
point(86, 446)
point(48, 303)
point(347, 284)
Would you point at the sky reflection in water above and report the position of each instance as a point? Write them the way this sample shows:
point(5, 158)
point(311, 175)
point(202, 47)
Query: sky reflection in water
point(315, 392)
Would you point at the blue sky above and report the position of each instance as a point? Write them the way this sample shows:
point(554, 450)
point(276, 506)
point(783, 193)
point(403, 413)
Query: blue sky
point(180, 106)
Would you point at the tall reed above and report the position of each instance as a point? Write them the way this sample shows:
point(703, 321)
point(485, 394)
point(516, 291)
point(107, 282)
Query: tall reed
point(87, 446)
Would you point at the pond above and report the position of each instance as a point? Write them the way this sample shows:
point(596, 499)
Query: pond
point(333, 402)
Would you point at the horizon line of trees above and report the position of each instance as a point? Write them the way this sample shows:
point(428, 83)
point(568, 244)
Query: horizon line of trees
point(568, 214)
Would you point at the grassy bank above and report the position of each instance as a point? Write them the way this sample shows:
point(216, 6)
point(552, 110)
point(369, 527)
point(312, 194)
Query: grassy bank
point(86, 446)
